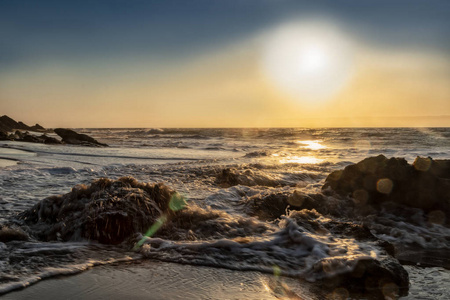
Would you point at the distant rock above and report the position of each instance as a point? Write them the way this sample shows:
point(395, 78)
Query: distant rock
point(71, 137)
point(14, 131)
point(49, 140)
point(9, 124)
point(37, 127)
point(378, 180)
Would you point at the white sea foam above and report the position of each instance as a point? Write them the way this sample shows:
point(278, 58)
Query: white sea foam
point(190, 160)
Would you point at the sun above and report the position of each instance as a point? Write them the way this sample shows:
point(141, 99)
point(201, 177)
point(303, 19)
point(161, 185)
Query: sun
point(310, 61)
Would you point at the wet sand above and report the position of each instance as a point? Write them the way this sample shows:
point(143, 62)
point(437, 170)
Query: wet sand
point(7, 162)
point(161, 280)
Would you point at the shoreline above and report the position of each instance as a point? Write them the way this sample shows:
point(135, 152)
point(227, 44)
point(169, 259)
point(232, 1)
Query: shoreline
point(149, 279)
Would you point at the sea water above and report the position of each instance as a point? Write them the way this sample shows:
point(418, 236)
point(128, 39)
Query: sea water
point(268, 162)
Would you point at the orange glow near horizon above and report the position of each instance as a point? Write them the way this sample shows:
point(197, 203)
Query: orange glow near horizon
point(343, 83)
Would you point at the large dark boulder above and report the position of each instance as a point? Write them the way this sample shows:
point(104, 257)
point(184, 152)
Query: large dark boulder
point(108, 211)
point(384, 277)
point(71, 137)
point(375, 180)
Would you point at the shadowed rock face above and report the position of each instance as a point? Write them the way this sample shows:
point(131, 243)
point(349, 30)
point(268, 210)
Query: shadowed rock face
point(108, 211)
point(71, 137)
point(425, 184)
point(9, 124)
point(385, 278)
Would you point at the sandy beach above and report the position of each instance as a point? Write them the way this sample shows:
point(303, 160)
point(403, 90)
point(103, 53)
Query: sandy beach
point(160, 280)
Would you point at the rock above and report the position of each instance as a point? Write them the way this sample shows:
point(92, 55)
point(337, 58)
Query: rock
point(37, 127)
point(71, 137)
point(31, 138)
point(108, 211)
point(9, 124)
point(247, 177)
point(375, 180)
point(385, 277)
point(3, 136)
point(12, 233)
point(49, 140)
point(19, 134)
point(23, 126)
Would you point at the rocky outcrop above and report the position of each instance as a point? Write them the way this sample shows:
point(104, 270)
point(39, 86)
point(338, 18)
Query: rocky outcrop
point(71, 137)
point(108, 211)
point(21, 134)
point(377, 180)
point(8, 124)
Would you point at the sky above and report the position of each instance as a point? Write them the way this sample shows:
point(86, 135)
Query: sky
point(234, 63)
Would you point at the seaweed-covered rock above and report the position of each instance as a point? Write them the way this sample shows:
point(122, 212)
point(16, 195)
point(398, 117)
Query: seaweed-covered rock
point(425, 184)
point(108, 211)
point(272, 205)
point(247, 177)
point(71, 137)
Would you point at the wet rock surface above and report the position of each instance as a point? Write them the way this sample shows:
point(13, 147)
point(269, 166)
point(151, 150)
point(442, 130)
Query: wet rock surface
point(108, 211)
point(303, 243)
point(12, 233)
point(18, 131)
point(248, 177)
point(71, 137)
point(378, 180)
point(383, 277)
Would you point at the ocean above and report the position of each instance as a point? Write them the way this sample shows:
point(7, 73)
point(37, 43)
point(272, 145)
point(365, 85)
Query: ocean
point(243, 210)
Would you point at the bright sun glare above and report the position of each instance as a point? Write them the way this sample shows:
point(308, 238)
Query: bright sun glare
point(313, 145)
point(310, 61)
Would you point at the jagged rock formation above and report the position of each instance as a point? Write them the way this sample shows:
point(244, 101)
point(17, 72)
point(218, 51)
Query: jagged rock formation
point(8, 124)
point(71, 137)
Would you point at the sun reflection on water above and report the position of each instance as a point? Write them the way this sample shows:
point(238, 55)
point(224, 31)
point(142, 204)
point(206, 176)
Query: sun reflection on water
point(301, 160)
point(313, 145)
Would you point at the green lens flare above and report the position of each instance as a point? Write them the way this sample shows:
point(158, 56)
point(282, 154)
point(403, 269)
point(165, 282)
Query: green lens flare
point(177, 202)
point(151, 231)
